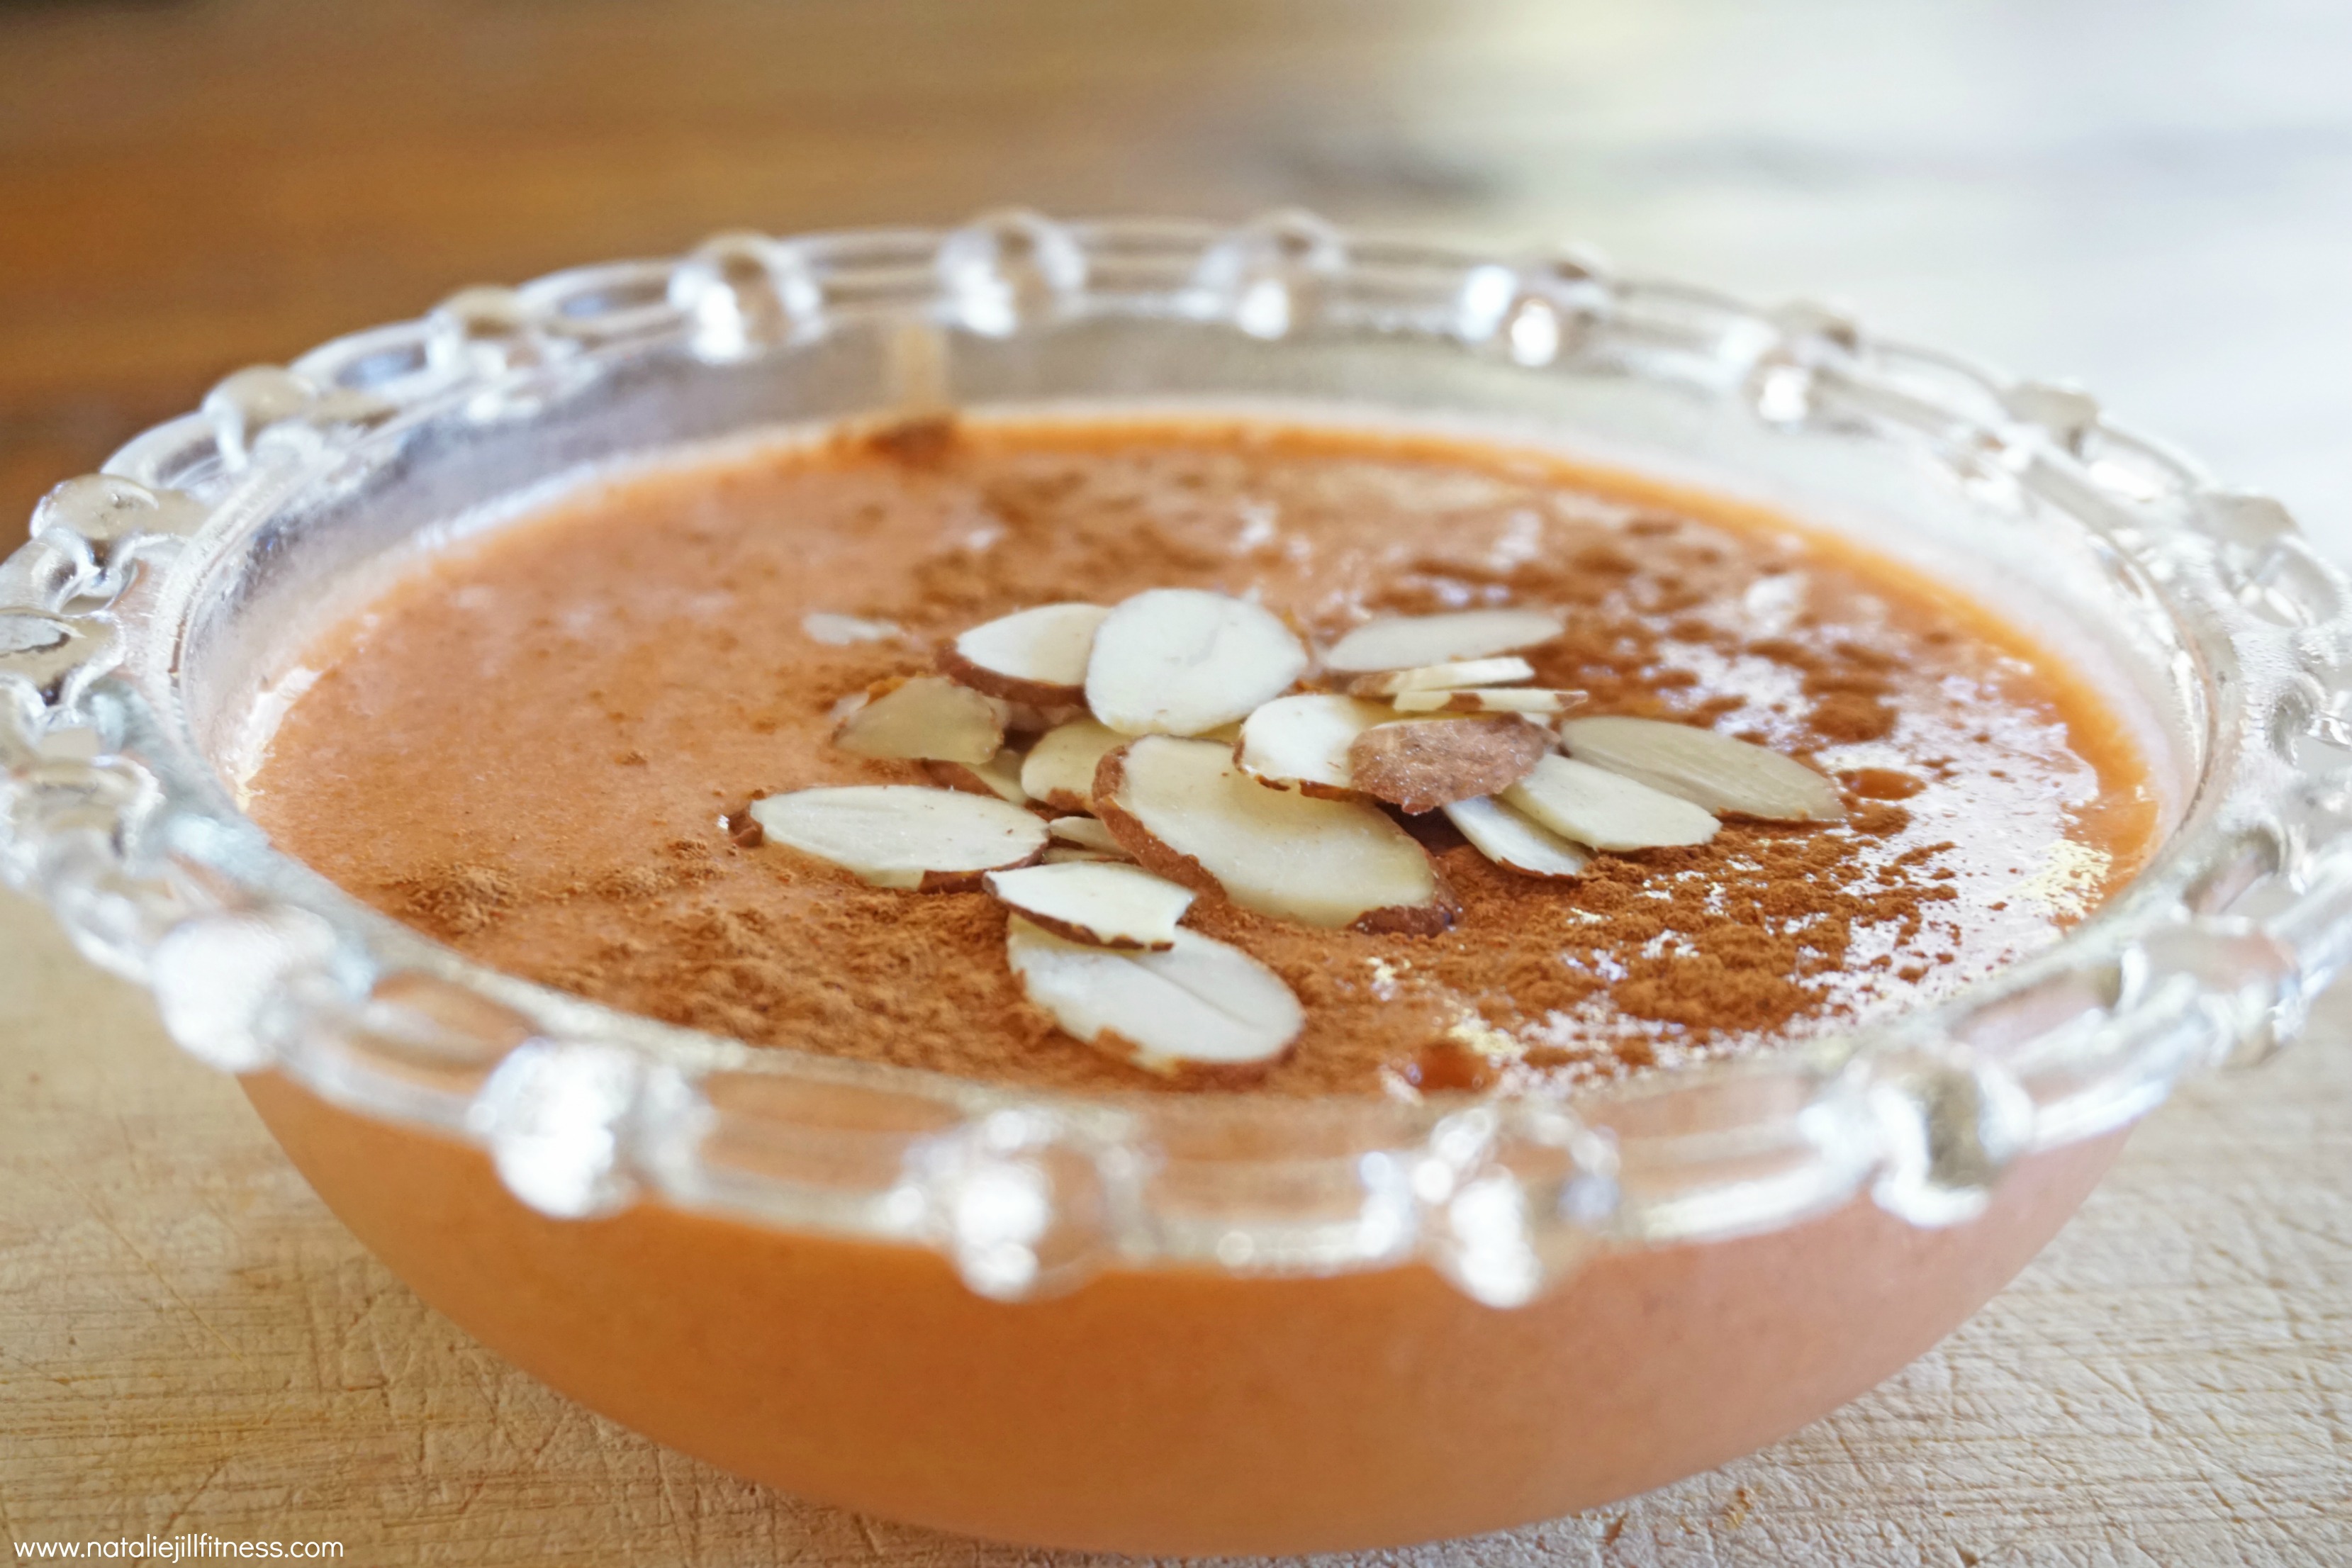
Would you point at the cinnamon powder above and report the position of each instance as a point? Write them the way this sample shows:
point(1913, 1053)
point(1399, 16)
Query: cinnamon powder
point(453, 900)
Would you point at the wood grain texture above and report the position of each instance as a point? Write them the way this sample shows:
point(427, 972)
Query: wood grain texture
point(188, 1341)
point(2159, 199)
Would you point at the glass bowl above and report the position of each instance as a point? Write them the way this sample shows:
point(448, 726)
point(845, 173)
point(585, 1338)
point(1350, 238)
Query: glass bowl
point(1169, 1323)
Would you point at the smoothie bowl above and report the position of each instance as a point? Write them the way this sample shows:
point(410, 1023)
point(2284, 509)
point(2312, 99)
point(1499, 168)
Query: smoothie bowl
point(1183, 890)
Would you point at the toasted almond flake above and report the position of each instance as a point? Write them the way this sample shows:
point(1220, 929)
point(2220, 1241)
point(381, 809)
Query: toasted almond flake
point(1301, 742)
point(846, 631)
point(1104, 904)
point(1443, 676)
point(1201, 1009)
point(1086, 832)
point(1606, 810)
point(1176, 661)
point(1514, 841)
point(1420, 765)
point(1184, 809)
point(1488, 699)
point(1726, 776)
point(1035, 655)
point(1060, 768)
point(924, 717)
point(903, 836)
point(1408, 642)
point(998, 776)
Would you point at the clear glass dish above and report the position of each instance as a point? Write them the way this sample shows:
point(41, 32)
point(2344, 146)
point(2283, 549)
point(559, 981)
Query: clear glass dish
point(1164, 1323)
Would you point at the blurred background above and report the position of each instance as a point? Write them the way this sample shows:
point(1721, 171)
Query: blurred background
point(2155, 197)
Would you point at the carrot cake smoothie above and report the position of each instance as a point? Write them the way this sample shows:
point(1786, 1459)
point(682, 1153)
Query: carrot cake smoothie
point(1202, 759)
point(1196, 756)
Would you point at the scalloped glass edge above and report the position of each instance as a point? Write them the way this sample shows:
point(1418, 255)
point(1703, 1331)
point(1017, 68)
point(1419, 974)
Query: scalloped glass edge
point(117, 820)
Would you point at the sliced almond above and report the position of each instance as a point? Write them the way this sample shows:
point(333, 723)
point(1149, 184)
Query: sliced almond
point(1072, 855)
point(846, 631)
point(1060, 768)
point(1301, 742)
point(1032, 719)
point(903, 836)
point(1200, 1009)
point(1722, 774)
point(1176, 661)
point(1186, 810)
point(1516, 841)
point(998, 776)
point(1423, 763)
point(1443, 676)
point(1606, 810)
point(1103, 904)
point(1031, 656)
point(1408, 642)
point(1087, 833)
point(925, 717)
point(1488, 699)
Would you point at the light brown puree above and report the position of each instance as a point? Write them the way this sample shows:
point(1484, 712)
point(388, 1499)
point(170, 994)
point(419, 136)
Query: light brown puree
point(535, 746)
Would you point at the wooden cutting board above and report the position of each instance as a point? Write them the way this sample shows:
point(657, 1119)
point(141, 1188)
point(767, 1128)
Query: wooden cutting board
point(188, 1342)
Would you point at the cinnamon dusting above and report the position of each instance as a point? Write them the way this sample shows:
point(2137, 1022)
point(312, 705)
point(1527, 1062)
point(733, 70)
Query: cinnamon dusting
point(464, 805)
point(456, 900)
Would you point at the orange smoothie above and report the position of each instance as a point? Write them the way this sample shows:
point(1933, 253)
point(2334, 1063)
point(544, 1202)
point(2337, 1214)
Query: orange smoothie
point(538, 748)
point(555, 745)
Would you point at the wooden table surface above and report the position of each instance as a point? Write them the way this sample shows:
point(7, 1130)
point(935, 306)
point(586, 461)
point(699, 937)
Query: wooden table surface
point(2159, 199)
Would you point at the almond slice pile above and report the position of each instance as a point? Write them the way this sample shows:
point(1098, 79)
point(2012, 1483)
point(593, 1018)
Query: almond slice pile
point(1602, 810)
point(1301, 742)
point(1176, 661)
point(1201, 1010)
point(998, 776)
point(925, 718)
point(904, 836)
point(1184, 809)
point(1443, 676)
point(1076, 855)
point(1514, 842)
point(1413, 642)
point(846, 631)
point(1060, 768)
point(1169, 740)
point(1423, 763)
point(1102, 903)
point(1032, 656)
point(1724, 776)
point(1087, 833)
point(1488, 699)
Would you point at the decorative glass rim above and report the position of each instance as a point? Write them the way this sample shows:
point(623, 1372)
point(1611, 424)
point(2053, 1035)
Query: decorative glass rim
point(117, 817)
